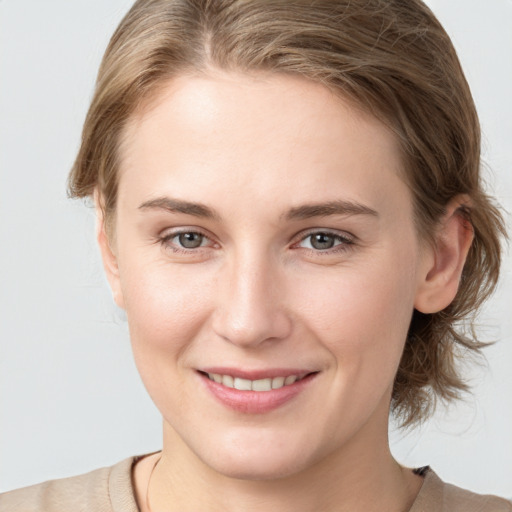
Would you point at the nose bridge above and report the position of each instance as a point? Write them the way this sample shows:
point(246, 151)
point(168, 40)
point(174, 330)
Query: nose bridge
point(250, 308)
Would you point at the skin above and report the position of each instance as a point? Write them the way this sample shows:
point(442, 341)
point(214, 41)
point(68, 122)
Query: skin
point(257, 294)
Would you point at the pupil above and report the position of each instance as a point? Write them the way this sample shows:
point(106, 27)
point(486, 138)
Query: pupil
point(322, 241)
point(190, 240)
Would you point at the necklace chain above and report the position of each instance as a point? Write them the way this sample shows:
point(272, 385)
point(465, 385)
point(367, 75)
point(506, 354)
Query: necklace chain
point(148, 508)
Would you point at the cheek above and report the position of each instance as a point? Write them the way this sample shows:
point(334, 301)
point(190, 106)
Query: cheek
point(361, 300)
point(164, 306)
point(362, 317)
point(165, 311)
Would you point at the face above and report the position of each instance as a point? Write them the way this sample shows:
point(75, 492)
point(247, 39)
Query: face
point(266, 257)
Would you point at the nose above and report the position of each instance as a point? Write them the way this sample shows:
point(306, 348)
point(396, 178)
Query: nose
point(250, 307)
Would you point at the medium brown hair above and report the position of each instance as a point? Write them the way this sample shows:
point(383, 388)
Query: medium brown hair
point(393, 59)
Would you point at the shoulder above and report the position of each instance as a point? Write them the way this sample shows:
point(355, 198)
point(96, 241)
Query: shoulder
point(443, 497)
point(103, 490)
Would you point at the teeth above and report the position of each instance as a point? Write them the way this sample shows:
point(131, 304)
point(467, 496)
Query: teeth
point(290, 380)
point(262, 385)
point(227, 381)
point(253, 385)
point(243, 384)
point(277, 382)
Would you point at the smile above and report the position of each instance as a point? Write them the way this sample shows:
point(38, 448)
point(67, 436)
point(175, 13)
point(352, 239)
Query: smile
point(264, 392)
point(267, 384)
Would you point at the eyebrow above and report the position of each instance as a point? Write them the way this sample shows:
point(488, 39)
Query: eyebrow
point(338, 207)
point(179, 206)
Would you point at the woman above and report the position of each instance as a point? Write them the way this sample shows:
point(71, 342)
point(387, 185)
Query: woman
point(290, 213)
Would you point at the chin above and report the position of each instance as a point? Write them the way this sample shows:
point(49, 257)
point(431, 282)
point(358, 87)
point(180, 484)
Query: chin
point(259, 461)
point(261, 470)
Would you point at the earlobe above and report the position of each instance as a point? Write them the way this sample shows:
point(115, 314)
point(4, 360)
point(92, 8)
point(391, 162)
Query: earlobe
point(108, 255)
point(442, 273)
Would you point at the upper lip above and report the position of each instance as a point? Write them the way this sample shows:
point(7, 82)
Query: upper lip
point(268, 373)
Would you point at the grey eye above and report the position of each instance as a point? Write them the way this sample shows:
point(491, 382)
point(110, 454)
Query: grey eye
point(190, 240)
point(322, 241)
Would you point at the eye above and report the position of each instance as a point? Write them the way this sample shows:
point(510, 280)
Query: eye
point(185, 241)
point(324, 240)
point(189, 240)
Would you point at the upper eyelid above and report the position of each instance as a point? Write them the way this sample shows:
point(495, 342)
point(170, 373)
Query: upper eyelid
point(332, 232)
point(172, 232)
point(169, 233)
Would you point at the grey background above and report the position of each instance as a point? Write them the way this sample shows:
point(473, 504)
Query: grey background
point(70, 397)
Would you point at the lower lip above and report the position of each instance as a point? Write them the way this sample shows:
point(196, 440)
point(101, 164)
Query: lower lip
point(255, 402)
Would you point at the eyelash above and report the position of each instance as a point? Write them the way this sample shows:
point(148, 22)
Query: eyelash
point(344, 241)
point(166, 240)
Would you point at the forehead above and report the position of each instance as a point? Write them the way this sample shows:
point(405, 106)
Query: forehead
point(268, 133)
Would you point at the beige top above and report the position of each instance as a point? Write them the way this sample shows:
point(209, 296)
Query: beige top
point(111, 490)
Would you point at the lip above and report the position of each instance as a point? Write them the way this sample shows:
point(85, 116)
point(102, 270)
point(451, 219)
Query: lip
point(269, 373)
point(255, 402)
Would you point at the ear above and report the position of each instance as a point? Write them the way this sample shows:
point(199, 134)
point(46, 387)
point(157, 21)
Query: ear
point(443, 267)
point(107, 253)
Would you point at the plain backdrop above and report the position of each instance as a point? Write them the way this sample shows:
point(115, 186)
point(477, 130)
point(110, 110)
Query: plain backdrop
point(70, 397)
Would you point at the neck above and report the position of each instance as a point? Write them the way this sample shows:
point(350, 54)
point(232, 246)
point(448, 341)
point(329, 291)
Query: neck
point(361, 477)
